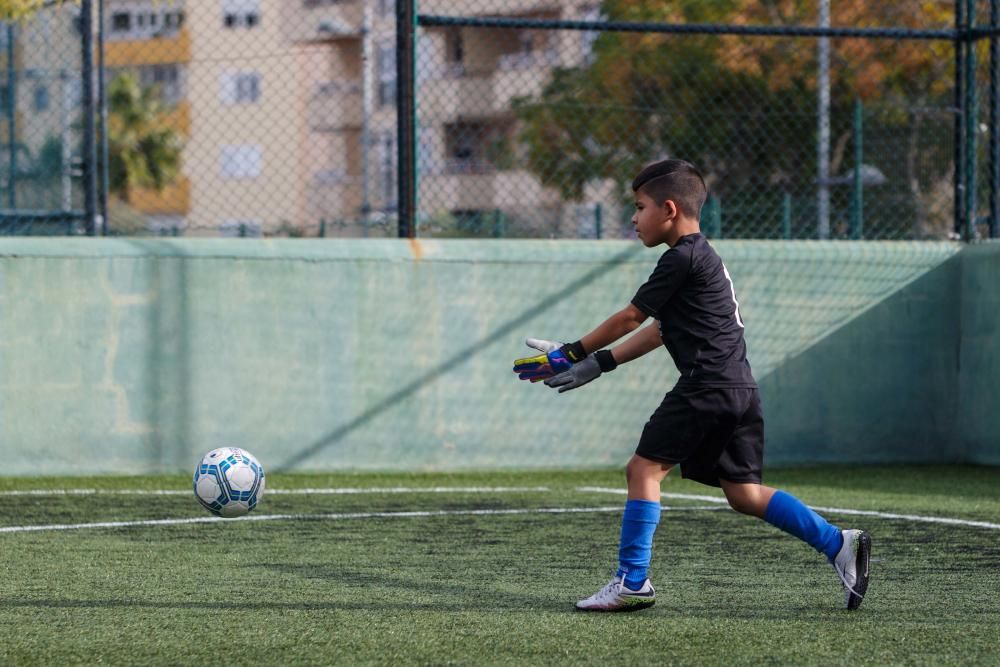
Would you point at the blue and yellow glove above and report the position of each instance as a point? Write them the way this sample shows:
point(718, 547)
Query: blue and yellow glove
point(555, 358)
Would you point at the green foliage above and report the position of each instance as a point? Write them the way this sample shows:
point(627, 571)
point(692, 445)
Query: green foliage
point(744, 108)
point(17, 9)
point(143, 150)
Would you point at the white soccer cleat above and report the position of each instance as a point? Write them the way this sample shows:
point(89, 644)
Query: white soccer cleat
point(615, 596)
point(851, 565)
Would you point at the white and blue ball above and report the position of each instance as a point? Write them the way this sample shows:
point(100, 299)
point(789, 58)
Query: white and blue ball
point(229, 482)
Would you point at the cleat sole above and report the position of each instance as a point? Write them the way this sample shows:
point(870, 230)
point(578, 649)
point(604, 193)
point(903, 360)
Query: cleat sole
point(861, 564)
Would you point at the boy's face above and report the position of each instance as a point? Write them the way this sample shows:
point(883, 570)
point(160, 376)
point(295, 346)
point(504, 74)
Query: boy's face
point(654, 223)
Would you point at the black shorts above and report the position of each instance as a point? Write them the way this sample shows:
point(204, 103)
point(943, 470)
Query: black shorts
point(712, 432)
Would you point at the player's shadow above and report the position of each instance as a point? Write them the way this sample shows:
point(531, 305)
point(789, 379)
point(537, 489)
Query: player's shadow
point(463, 355)
point(386, 597)
point(459, 600)
point(433, 594)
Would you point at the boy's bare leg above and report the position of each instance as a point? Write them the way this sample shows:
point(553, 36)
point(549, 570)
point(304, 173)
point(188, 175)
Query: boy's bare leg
point(644, 477)
point(749, 499)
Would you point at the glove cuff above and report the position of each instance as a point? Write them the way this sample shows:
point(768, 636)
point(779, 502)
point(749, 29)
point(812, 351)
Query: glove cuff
point(573, 351)
point(606, 360)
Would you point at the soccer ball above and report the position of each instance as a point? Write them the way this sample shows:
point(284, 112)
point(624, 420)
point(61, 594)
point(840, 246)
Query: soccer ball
point(229, 482)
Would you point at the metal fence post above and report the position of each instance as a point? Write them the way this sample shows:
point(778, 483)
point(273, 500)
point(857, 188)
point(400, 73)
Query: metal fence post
point(406, 115)
point(857, 195)
point(959, 130)
point(102, 103)
point(994, 123)
point(89, 119)
point(786, 216)
point(11, 111)
point(971, 127)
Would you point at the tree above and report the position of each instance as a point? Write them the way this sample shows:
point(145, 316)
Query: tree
point(143, 150)
point(743, 108)
point(16, 9)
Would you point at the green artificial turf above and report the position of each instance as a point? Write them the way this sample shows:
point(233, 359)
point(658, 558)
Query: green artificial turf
point(463, 588)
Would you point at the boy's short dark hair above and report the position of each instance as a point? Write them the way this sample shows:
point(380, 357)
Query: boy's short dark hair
point(677, 180)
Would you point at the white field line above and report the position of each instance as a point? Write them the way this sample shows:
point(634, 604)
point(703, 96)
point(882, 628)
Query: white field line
point(832, 510)
point(329, 517)
point(321, 491)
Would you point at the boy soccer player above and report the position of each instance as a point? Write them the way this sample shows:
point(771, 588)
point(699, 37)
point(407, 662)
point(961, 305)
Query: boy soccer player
point(710, 423)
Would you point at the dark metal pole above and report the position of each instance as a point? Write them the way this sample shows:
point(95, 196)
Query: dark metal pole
point(858, 197)
point(102, 103)
point(959, 132)
point(994, 123)
point(89, 119)
point(406, 115)
point(11, 118)
point(971, 130)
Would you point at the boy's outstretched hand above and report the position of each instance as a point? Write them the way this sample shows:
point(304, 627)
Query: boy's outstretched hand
point(552, 361)
point(577, 376)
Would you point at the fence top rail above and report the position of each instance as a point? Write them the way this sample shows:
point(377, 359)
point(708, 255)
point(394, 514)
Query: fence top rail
point(438, 21)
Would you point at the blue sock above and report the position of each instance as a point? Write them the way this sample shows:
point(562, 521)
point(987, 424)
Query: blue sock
point(788, 513)
point(636, 546)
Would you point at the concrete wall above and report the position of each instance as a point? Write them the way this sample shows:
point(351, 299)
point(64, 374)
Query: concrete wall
point(128, 356)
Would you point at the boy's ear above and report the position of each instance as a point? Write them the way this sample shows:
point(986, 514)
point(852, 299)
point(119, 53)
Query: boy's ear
point(670, 207)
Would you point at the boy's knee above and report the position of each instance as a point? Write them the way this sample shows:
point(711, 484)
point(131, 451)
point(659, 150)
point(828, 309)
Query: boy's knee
point(646, 468)
point(741, 504)
point(746, 498)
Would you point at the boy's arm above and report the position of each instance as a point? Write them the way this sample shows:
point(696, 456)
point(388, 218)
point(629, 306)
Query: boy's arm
point(603, 361)
point(622, 323)
point(647, 340)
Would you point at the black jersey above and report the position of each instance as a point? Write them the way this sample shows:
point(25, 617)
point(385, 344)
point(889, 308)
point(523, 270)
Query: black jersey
point(691, 294)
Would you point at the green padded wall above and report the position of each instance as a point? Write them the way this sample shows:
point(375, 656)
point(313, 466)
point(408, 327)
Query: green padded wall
point(139, 355)
point(978, 394)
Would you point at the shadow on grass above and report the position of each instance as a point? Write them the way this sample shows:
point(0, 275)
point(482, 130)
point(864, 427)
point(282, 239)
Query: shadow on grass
point(365, 601)
point(477, 603)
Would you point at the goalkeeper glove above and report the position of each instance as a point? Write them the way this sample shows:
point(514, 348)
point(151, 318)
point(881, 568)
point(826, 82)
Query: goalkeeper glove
point(555, 358)
point(580, 374)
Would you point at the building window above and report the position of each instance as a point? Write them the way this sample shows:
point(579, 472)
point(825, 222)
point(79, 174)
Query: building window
point(146, 23)
point(464, 148)
point(386, 66)
point(241, 161)
point(121, 22)
point(173, 20)
point(240, 87)
point(240, 13)
point(167, 79)
point(41, 98)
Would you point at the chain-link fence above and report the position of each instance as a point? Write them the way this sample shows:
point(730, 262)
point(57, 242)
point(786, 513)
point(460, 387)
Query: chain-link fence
point(41, 119)
point(810, 118)
point(533, 123)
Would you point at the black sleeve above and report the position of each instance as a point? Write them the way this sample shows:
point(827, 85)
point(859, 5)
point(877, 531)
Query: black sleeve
point(668, 275)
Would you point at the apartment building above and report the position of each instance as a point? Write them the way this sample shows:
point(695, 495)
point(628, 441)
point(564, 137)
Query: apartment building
point(467, 79)
point(287, 112)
